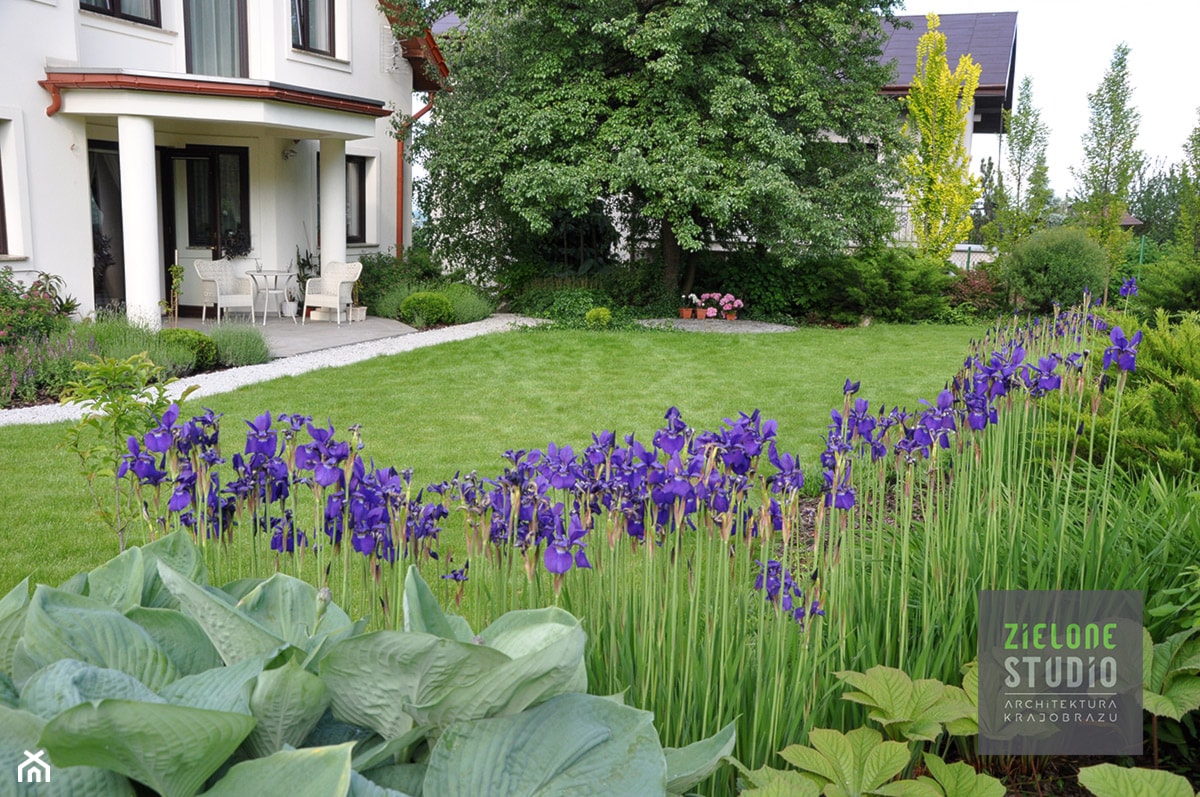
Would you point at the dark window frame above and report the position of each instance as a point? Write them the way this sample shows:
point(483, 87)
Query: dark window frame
point(356, 229)
point(216, 234)
point(301, 10)
point(112, 8)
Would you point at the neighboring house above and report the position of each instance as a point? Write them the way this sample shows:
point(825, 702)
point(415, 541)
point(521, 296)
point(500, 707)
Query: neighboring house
point(991, 41)
point(163, 129)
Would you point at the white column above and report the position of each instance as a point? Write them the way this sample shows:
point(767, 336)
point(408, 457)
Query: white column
point(333, 200)
point(139, 220)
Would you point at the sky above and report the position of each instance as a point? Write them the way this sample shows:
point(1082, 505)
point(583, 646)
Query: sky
point(1066, 46)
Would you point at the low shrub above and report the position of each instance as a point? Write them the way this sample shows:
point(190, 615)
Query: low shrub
point(598, 318)
point(239, 344)
point(426, 309)
point(203, 349)
point(978, 291)
point(1171, 282)
point(469, 304)
point(570, 307)
point(388, 305)
point(898, 285)
point(28, 312)
point(1053, 265)
point(384, 271)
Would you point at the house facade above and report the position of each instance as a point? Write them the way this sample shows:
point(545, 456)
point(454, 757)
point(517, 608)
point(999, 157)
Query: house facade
point(139, 133)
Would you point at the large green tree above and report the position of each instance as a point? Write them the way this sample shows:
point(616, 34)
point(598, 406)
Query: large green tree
point(1111, 161)
point(939, 185)
point(1187, 234)
point(689, 121)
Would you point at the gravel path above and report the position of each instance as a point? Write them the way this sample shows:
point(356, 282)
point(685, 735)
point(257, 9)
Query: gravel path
point(232, 378)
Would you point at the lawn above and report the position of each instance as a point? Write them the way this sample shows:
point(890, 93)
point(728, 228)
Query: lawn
point(459, 406)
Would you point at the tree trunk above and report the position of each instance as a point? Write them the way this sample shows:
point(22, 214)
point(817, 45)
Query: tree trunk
point(672, 257)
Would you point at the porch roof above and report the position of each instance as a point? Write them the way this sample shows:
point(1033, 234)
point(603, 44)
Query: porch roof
point(107, 92)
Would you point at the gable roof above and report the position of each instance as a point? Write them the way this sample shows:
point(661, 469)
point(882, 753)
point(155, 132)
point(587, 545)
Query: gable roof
point(990, 40)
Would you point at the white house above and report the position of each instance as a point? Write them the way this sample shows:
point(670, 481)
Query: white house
point(159, 128)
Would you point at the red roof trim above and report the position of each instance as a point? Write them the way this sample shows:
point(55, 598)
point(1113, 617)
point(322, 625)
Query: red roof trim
point(55, 82)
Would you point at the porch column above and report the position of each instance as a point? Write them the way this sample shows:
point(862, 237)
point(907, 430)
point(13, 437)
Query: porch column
point(139, 214)
point(333, 200)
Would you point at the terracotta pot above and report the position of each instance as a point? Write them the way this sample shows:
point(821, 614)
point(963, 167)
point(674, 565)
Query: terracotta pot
point(731, 316)
point(685, 312)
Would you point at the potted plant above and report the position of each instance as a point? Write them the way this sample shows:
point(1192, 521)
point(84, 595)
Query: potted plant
point(289, 305)
point(688, 305)
point(730, 305)
point(708, 305)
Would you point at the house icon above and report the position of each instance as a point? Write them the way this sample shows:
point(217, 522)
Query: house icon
point(33, 769)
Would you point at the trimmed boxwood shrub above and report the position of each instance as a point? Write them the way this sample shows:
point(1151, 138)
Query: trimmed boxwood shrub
point(1055, 265)
point(426, 309)
point(598, 318)
point(202, 346)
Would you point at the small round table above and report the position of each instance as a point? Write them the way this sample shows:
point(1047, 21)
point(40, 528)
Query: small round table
point(268, 282)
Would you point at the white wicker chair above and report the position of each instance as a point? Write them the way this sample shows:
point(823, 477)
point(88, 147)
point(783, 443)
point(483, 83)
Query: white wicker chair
point(334, 289)
point(223, 288)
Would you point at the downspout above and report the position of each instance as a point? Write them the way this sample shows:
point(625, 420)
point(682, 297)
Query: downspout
point(400, 174)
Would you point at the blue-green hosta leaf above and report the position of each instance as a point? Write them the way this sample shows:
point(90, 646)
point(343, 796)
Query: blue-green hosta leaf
point(1110, 780)
point(854, 763)
point(546, 646)
point(289, 609)
point(8, 692)
point(422, 612)
point(360, 786)
point(235, 636)
point(118, 582)
point(179, 552)
point(331, 731)
point(572, 744)
point(240, 588)
point(321, 771)
point(66, 683)
point(378, 751)
point(400, 778)
point(172, 749)
point(19, 734)
point(218, 689)
point(13, 607)
point(76, 584)
point(287, 703)
point(373, 678)
point(60, 625)
point(687, 766)
point(179, 636)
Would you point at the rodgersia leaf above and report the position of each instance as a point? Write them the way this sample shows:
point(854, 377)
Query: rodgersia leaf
point(1110, 780)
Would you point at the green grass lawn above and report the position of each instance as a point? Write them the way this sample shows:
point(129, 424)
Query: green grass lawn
point(459, 406)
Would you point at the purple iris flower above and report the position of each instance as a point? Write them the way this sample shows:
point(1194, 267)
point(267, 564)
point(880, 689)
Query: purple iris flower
point(559, 556)
point(159, 439)
point(261, 439)
point(1129, 288)
point(460, 574)
point(1122, 351)
point(789, 478)
point(1041, 379)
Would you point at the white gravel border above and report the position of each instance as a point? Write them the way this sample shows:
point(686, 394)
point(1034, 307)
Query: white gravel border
point(232, 378)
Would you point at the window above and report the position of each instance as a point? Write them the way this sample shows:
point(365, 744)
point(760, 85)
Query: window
point(145, 11)
point(215, 33)
point(312, 25)
point(356, 199)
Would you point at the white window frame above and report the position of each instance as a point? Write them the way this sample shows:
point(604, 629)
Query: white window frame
point(15, 185)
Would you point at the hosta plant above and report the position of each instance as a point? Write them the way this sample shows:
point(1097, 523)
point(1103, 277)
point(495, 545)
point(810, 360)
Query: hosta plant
point(140, 672)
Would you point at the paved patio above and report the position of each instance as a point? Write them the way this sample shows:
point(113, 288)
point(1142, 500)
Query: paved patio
point(285, 338)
